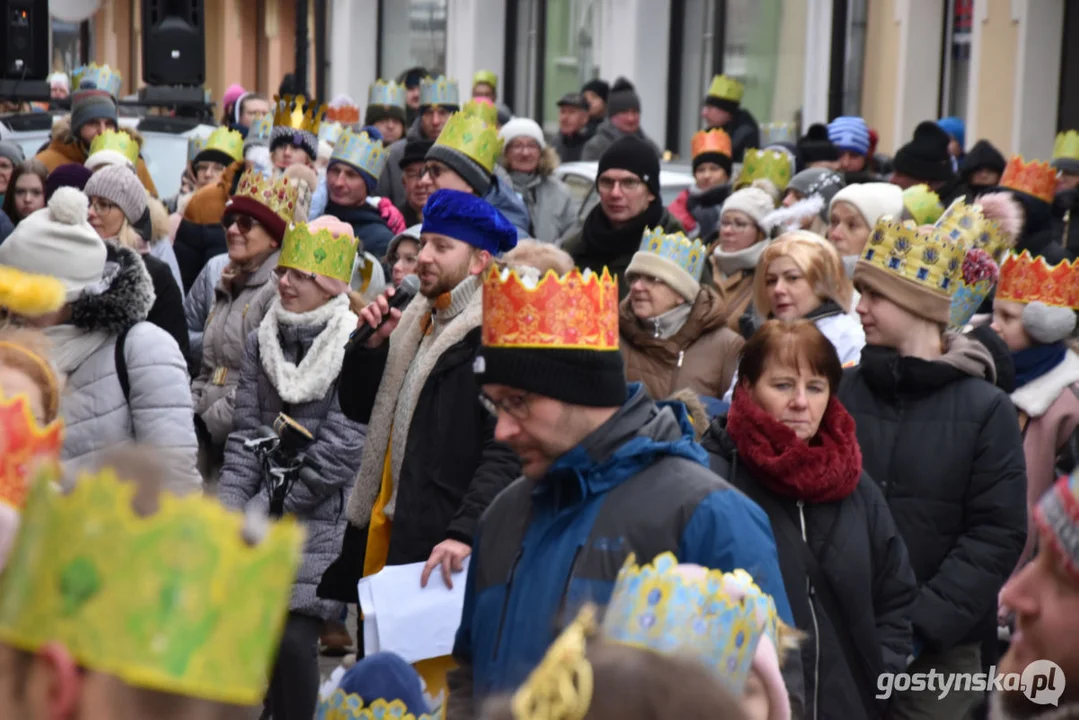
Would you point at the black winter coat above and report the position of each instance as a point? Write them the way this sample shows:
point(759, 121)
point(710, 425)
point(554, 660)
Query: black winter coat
point(452, 469)
point(195, 245)
point(944, 446)
point(865, 563)
point(167, 311)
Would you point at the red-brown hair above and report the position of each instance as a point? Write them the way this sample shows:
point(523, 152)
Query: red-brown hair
point(790, 343)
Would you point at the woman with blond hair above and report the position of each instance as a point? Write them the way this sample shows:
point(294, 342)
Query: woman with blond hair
point(530, 161)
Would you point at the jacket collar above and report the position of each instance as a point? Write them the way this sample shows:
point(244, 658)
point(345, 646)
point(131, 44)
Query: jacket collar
point(1039, 394)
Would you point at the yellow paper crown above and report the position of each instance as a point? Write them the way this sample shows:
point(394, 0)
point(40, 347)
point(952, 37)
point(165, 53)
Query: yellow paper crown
point(968, 225)
point(118, 141)
point(1027, 279)
point(923, 204)
point(1066, 146)
point(319, 252)
point(928, 258)
point(1033, 178)
point(282, 195)
point(25, 449)
point(176, 602)
point(725, 87)
point(342, 706)
point(485, 76)
point(472, 136)
point(771, 165)
point(573, 312)
point(224, 140)
point(289, 112)
point(560, 688)
point(485, 111)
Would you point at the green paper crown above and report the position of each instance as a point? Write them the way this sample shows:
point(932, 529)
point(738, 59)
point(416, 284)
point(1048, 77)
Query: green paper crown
point(1066, 146)
point(229, 142)
point(773, 165)
point(470, 135)
point(923, 204)
point(320, 252)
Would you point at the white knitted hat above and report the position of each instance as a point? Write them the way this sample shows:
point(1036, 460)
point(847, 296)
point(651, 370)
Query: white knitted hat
point(58, 241)
point(753, 202)
point(106, 158)
point(872, 200)
point(523, 127)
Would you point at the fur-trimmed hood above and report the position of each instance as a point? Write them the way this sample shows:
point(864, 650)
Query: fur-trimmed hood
point(126, 299)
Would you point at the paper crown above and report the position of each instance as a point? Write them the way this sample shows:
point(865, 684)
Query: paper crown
point(923, 204)
point(1066, 146)
point(439, 91)
point(388, 94)
point(929, 259)
point(560, 688)
point(978, 276)
point(725, 87)
point(718, 619)
point(710, 141)
point(344, 114)
point(330, 132)
point(470, 135)
point(281, 195)
point(342, 706)
point(289, 112)
point(25, 449)
point(118, 141)
point(1027, 279)
point(485, 76)
point(261, 130)
point(687, 254)
point(195, 143)
point(319, 252)
point(483, 110)
point(361, 152)
point(771, 165)
point(102, 77)
point(227, 141)
point(968, 225)
point(176, 602)
point(778, 132)
point(573, 312)
point(1034, 178)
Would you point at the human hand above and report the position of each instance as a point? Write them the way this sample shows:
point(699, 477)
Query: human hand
point(450, 554)
point(373, 314)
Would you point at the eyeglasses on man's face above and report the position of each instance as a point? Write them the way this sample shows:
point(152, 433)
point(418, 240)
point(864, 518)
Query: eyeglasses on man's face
point(516, 406)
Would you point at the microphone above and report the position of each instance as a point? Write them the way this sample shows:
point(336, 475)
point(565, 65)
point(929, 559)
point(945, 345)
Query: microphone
point(407, 290)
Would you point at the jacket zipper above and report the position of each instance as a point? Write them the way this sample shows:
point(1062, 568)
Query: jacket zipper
point(811, 592)
point(506, 603)
point(569, 579)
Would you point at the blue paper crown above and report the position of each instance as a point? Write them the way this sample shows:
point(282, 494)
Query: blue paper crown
point(102, 77)
point(342, 706)
point(778, 132)
point(261, 129)
point(389, 94)
point(439, 91)
point(718, 619)
point(330, 132)
point(676, 247)
point(362, 152)
point(966, 301)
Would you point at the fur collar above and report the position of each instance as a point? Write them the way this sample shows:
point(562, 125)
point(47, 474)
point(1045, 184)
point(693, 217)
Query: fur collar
point(404, 343)
point(1039, 394)
point(122, 298)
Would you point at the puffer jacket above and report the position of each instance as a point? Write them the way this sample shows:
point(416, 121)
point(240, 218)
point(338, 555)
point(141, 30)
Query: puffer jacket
point(551, 207)
point(231, 320)
point(197, 304)
point(159, 412)
point(64, 148)
point(502, 197)
point(943, 444)
point(337, 447)
point(606, 135)
point(391, 183)
point(702, 355)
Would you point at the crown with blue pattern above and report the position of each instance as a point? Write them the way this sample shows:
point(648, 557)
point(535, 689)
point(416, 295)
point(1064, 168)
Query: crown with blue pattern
point(342, 706)
point(388, 94)
point(261, 130)
point(362, 152)
point(719, 618)
point(687, 254)
point(102, 77)
point(330, 132)
point(439, 91)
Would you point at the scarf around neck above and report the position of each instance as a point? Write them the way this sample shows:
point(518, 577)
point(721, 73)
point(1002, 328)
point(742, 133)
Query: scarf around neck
point(604, 240)
point(739, 260)
point(826, 469)
point(70, 346)
point(1032, 363)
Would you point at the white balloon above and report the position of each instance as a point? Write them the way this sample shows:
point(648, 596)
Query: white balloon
point(73, 10)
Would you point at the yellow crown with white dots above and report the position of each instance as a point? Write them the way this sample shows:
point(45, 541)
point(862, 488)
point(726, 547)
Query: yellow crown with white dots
point(725, 87)
point(928, 258)
point(687, 254)
point(227, 141)
point(473, 137)
point(118, 141)
point(294, 112)
point(771, 165)
point(485, 111)
point(177, 601)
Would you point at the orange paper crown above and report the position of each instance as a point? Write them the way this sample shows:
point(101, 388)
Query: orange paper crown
point(345, 114)
point(716, 141)
point(25, 448)
point(1034, 178)
point(573, 312)
point(1027, 279)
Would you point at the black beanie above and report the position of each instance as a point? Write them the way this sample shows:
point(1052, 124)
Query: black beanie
point(595, 378)
point(599, 87)
point(926, 156)
point(415, 152)
point(982, 155)
point(816, 147)
point(376, 113)
point(623, 97)
point(635, 155)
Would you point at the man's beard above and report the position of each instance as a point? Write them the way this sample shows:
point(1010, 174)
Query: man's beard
point(447, 280)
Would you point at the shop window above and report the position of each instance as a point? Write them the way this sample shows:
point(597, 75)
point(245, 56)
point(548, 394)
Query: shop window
point(955, 83)
point(413, 34)
point(571, 52)
point(71, 44)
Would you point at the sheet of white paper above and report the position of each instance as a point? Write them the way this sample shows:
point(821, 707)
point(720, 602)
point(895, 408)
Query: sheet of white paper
point(416, 623)
point(370, 623)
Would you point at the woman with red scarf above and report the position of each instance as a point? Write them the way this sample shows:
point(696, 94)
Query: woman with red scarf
point(790, 445)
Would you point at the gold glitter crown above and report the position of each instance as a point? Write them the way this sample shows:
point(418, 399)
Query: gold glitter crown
point(119, 141)
point(928, 258)
point(289, 112)
point(560, 688)
point(470, 135)
point(282, 195)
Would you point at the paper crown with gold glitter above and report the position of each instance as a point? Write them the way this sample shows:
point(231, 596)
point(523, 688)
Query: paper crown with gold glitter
point(778, 132)
point(294, 113)
point(710, 141)
point(485, 76)
point(688, 255)
point(281, 195)
point(102, 77)
point(439, 91)
point(319, 252)
point(578, 311)
point(473, 137)
point(387, 94)
point(344, 115)
point(25, 448)
point(117, 141)
point(1066, 146)
point(560, 687)
point(771, 165)
point(1027, 279)
point(927, 258)
point(342, 706)
point(922, 204)
point(1035, 178)
point(229, 143)
point(724, 87)
point(177, 602)
point(361, 152)
point(483, 109)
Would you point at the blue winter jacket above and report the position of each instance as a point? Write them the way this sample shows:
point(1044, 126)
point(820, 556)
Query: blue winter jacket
point(509, 203)
point(639, 484)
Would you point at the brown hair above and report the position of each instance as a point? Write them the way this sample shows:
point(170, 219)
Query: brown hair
point(33, 166)
point(634, 684)
point(790, 343)
point(818, 260)
point(27, 351)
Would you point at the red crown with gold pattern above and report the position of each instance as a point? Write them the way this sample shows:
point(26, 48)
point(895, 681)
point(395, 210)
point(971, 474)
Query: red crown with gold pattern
point(25, 448)
point(573, 312)
point(1034, 178)
point(717, 141)
point(1027, 279)
point(344, 114)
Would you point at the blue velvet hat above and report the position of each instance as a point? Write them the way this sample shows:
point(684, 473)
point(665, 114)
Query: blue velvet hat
point(467, 218)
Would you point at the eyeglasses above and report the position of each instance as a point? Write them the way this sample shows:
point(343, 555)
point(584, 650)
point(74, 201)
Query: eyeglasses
point(209, 166)
point(101, 206)
point(606, 184)
point(412, 175)
point(648, 280)
point(243, 223)
point(528, 146)
point(735, 224)
point(516, 406)
point(294, 276)
point(433, 170)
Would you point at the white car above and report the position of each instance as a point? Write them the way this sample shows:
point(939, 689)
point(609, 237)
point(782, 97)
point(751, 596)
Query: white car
point(580, 177)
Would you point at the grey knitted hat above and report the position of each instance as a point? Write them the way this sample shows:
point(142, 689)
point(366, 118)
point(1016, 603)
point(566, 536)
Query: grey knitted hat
point(472, 172)
point(119, 185)
point(11, 151)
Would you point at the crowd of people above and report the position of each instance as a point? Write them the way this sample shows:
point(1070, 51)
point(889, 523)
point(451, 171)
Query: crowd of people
point(811, 426)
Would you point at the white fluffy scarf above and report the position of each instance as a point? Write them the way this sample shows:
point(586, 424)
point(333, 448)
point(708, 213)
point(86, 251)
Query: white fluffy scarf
point(312, 378)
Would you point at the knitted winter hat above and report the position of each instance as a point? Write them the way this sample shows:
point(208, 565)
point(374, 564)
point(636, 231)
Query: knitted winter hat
point(88, 103)
point(753, 201)
point(955, 128)
point(1057, 515)
point(121, 186)
point(926, 156)
point(635, 155)
point(849, 132)
point(235, 92)
point(385, 676)
point(415, 152)
point(470, 171)
point(661, 263)
point(12, 152)
point(522, 127)
point(623, 97)
point(815, 146)
point(376, 113)
point(58, 241)
point(820, 182)
point(71, 175)
point(872, 200)
point(331, 286)
point(599, 87)
point(982, 155)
